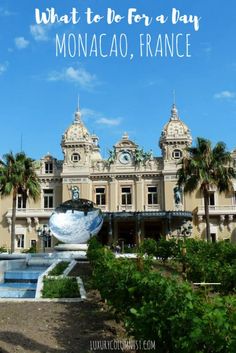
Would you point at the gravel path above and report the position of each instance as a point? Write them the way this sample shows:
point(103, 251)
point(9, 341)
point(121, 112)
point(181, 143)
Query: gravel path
point(36, 327)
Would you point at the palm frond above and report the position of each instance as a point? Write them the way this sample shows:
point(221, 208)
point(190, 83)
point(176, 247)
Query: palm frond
point(206, 166)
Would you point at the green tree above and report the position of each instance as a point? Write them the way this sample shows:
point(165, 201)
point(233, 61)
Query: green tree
point(18, 177)
point(204, 167)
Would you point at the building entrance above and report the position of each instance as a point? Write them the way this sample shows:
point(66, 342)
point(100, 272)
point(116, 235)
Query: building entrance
point(152, 230)
point(126, 232)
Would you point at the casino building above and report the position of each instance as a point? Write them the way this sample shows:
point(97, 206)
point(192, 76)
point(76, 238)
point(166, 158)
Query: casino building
point(135, 190)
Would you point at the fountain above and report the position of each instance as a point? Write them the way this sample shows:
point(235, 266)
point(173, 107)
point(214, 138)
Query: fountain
point(74, 222)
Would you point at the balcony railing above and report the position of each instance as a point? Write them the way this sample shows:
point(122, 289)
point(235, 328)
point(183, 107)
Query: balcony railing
point(127, 208)
point(46, 212)
point(31, 212)
point(152, 208)
point(131, 208)
point(104, 208)
point(229, 209)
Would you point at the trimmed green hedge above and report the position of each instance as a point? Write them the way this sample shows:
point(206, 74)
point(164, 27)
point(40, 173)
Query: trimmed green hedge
point(205, 262)
point(167, 310)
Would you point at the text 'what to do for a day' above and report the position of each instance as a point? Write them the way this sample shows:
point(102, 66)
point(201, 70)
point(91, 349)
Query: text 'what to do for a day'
point(107, 44)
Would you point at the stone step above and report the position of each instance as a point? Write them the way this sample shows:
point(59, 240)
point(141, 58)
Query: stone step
point(21, 275)
point(17, 290)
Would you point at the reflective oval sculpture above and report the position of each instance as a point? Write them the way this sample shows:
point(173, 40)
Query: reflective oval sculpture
point(75, 221)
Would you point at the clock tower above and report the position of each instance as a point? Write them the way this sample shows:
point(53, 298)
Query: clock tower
point(124, 151)
point(175, 137)
point(78, 146)
point(174, 140)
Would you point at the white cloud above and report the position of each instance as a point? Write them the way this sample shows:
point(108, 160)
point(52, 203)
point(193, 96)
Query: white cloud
point(21, 42)
point(99, 118)
point(225, 95)
point(80, 76)
point(39, 32)
point(89, 113)
point(109, 122)
point(3, 68)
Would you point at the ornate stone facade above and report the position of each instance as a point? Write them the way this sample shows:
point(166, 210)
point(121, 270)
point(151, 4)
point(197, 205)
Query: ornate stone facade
point(136, 190)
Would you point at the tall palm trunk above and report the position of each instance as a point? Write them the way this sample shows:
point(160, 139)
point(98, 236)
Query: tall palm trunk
point(206, 207)
point(13, 222)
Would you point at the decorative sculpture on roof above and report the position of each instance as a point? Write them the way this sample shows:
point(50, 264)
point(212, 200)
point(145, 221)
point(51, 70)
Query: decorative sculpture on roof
point(148, 156)
point(141, 156)
point(138, 155)
point(112, 156)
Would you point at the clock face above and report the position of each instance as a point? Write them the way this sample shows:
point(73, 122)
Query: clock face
point(125, 158)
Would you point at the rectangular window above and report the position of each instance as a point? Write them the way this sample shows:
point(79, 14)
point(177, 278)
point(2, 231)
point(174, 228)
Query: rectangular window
point(33, 243)
point(126, 196)
point(21, 202)
point(48, 242)
point(20, 240)
point(152, 195)
point(100, 196)
point(211, 199)
point(48, 167)
point(48, 198)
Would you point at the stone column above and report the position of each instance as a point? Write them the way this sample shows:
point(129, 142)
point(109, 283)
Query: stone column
point(28, 220)
point(110, 229)
point(168, 228)
point(138, 228)
point(139, 194)
point(36, 221)
point(222, 219)
point(113, 197)
point(231, 218)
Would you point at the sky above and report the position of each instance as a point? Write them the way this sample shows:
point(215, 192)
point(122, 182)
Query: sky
point(131, 92)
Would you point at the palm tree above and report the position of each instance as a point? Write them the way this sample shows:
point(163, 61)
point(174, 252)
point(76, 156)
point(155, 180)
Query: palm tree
point(18, 176)
point(205, 167)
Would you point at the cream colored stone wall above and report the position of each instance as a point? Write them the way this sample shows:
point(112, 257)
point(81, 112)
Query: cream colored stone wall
point(221, 224)
point(91, 171)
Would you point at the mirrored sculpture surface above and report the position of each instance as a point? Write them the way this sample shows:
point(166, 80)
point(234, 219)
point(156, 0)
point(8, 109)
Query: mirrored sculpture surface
point(75, 221)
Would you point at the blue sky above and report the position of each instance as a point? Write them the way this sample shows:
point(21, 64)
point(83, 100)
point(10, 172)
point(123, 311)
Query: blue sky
point(39, 90)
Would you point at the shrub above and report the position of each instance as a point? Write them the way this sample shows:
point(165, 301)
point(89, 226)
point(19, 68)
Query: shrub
point(162, 248)
point(167, 249)
point(211, 262)
point(170, 312)
point(148, 246)
point(31, 250)
point(3, 249)
point(93, 249)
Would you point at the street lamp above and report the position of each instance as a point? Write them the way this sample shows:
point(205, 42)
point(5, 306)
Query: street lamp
point(44, 233)
point(184, 231)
